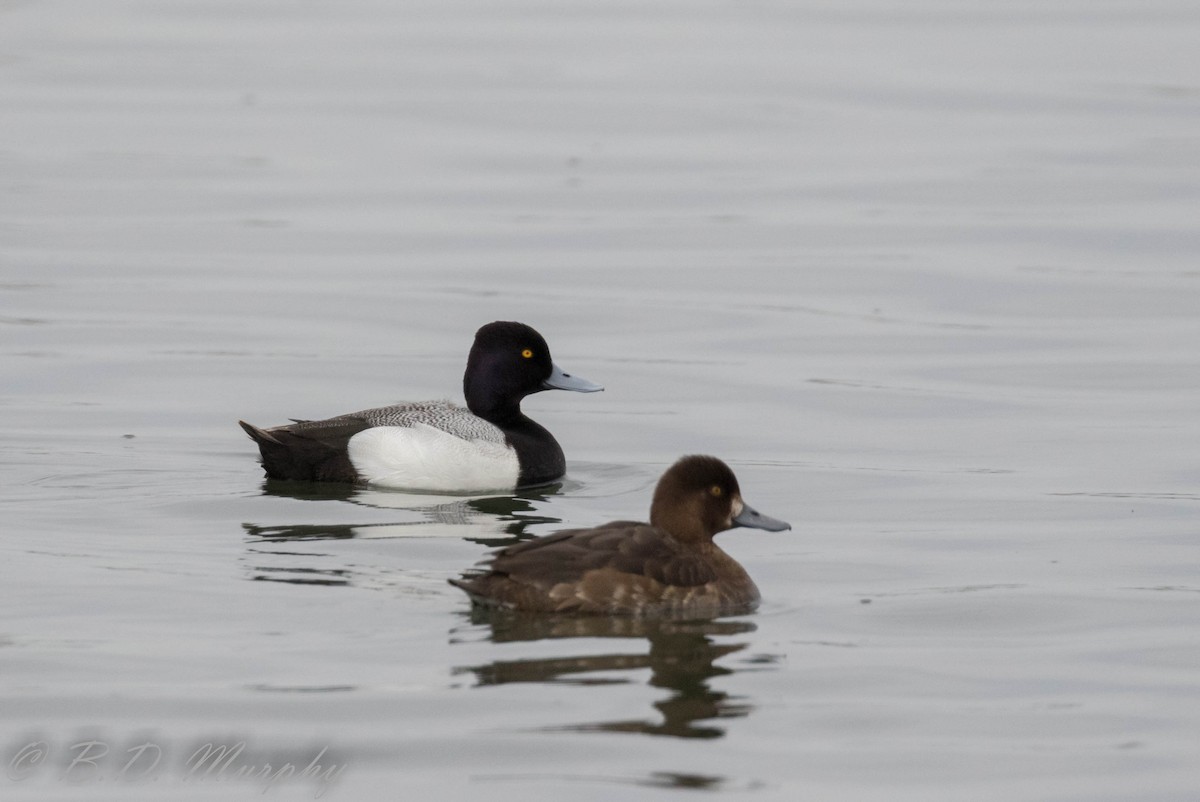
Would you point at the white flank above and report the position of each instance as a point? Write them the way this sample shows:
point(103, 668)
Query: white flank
point(420, 457)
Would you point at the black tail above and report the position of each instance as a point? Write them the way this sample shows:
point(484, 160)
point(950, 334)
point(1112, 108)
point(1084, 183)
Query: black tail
point(289, 455)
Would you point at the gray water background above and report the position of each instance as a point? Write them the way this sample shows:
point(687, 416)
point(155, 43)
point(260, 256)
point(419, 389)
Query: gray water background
point(926, 274)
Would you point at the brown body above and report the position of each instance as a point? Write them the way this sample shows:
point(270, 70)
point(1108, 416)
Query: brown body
point(670, 566)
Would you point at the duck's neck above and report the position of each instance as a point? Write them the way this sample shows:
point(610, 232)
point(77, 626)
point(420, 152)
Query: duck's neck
point(502, 412)
point(489, 400)
point(684, 526)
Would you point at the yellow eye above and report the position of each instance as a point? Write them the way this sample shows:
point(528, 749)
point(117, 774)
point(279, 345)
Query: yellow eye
point(716, 491)
point(527, 353)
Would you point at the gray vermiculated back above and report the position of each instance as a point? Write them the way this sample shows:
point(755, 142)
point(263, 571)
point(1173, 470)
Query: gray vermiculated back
point(444, 415)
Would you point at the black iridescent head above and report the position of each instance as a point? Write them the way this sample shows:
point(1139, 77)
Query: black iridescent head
point(508, 361)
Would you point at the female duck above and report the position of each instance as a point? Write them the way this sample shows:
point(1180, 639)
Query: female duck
point(669, 566)
point(436, 445)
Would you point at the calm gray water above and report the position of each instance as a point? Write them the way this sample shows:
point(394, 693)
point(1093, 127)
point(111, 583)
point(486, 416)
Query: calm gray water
point(926, 274)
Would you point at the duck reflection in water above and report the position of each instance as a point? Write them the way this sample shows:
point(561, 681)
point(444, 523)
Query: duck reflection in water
point(682, 659)
point(491, 521)
point(272, 554)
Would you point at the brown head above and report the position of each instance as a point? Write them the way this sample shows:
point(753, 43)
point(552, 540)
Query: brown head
point(699, 496)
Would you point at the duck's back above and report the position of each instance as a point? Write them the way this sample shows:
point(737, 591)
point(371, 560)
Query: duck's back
point(446, 416)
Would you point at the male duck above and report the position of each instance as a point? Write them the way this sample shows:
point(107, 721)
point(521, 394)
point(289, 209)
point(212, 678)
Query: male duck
point(436, 445)
point(669, 566)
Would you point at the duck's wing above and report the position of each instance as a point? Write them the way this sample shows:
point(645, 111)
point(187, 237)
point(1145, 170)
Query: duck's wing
point(333, 432)
point(443, 415)
point(586, 570)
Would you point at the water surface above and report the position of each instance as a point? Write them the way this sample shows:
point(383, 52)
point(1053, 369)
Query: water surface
point(925, 275)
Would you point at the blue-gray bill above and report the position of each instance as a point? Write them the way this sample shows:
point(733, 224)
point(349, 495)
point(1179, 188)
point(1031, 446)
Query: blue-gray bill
point(565, 381)
point(752, 518)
